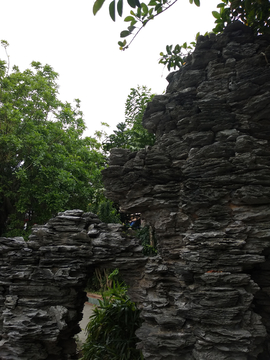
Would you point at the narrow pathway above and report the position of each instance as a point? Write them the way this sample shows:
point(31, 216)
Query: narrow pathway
point(87, 312)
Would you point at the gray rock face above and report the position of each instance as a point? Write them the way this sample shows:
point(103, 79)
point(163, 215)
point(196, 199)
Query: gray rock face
point(42, 282)
point(204, 187)
point(205, 190)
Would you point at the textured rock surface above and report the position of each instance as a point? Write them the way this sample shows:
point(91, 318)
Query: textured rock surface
point(42, 282)
point(205, 189)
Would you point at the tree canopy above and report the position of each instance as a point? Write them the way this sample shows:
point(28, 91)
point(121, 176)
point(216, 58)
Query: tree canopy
point(46, 166)
point(130, 134)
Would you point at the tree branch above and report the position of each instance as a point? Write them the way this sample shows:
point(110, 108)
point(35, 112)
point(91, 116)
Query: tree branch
point(144, 23)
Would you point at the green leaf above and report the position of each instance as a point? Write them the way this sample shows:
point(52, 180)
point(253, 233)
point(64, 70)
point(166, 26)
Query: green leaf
point(144, 9)
point(97, 6)
point(177, 49)
point(122, 44)
point(216, 14)
point(120, 7)
point(112, 10)
point(137, 3)
point(131, 28)
point(132, 4)
point(197, 2)
point(191, 1)
point(124, 33)
point(4, 43)
point(129, 18)
point(133, 22)
point(169, 49)
point(158, 8)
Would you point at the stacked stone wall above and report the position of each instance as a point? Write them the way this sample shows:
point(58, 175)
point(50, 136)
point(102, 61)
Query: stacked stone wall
point(204, 187)
point(42, 282)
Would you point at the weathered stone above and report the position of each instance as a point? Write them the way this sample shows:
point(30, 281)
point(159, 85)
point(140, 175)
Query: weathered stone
point(43, 280)
point(206, 294)
point(204, 189)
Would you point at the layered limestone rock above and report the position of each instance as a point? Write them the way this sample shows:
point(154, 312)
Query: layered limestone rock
point(42, 282)
point(205, 190)
point(204, 187)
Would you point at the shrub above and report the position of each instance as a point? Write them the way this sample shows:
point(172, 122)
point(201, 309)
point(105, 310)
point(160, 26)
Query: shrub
point(111, 330)
point(148, 241)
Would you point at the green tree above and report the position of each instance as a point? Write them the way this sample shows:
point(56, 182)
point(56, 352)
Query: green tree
point(131, 134)
point(45, 164)
point(105, 209)
point(253, 13)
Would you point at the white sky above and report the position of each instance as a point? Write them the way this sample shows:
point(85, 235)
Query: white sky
point(83, 49)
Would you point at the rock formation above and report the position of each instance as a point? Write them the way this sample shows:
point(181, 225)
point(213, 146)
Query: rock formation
point(42, 282)
point(205, 190)
point(204, 187)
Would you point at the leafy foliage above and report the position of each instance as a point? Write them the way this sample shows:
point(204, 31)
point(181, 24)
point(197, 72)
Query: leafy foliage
point(111, 330)
point(141, 15)
point(45, 164)
point(176, 57)
point(148, 241)
point(106, 211)
point(131, 134)
point(253, 13)
point(102, 281)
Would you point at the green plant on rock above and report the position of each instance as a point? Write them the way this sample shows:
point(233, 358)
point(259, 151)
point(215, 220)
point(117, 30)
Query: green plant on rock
point(148, 241)
point(131, 134)
point(106, 211)
point(102, 280)
point(111, 330)
point(176, 57)
point(253, 13)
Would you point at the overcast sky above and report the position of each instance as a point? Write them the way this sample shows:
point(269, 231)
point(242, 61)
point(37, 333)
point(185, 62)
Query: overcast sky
point(83, 49)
